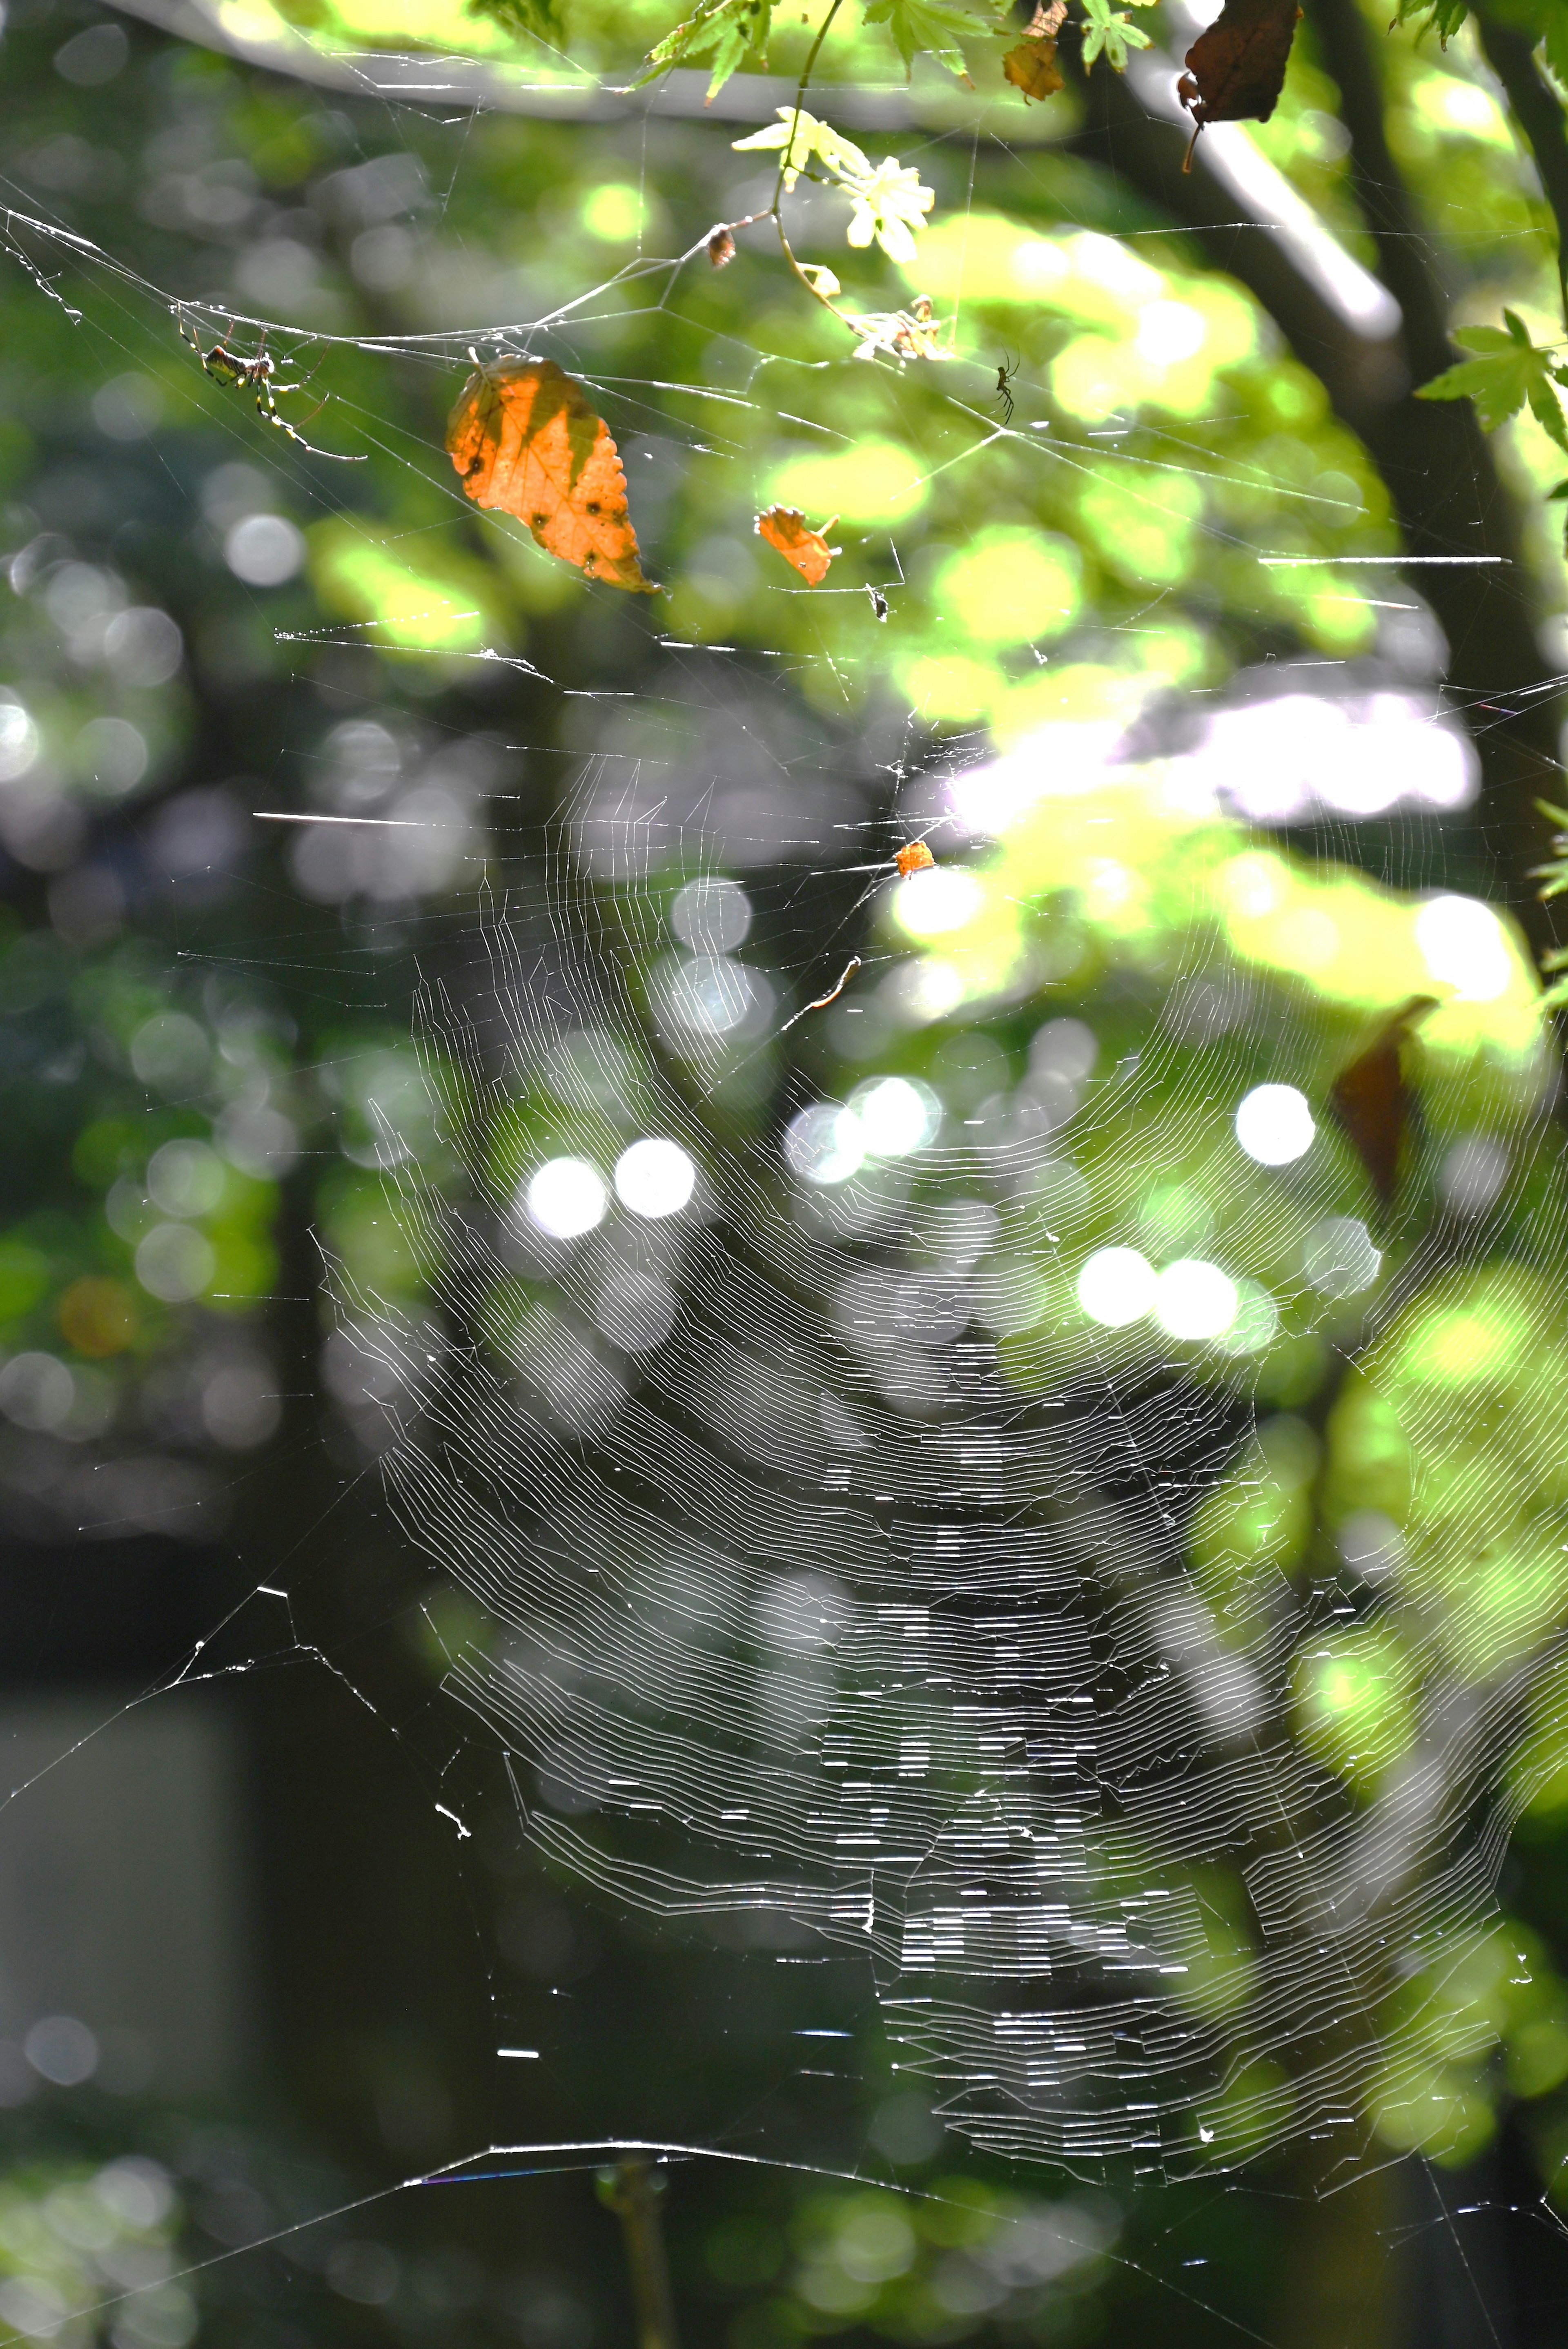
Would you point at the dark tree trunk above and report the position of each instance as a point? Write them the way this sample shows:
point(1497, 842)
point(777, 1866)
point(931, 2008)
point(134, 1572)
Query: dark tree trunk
point(1436, 462)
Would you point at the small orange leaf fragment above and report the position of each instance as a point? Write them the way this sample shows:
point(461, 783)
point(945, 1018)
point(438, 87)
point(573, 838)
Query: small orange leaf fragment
point(526, 443)
point(806, 550)
point(913, 857)
point(1032, 67)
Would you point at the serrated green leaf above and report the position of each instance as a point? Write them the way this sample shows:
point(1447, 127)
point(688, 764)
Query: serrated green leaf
point(1547, 410)
point(1496, 386)
point(542, 19)
point(1507, 373)
point(935, 26)
point(728, 32)
point(1443, 17)
point(1557, 44)
point(1553, 875)
point(1110, 30)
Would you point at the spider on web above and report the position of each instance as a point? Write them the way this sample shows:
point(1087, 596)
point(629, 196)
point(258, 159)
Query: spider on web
point(258, 373)
point(1006, 372)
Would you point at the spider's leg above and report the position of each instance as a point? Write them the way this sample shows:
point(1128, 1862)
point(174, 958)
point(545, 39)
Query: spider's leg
point(337, 456)
point(267, 407)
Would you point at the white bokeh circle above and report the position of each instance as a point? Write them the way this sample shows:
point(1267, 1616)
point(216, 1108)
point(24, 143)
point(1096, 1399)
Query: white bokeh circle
point(566, 1197)
point(1275, 1124)
point(654, 1177)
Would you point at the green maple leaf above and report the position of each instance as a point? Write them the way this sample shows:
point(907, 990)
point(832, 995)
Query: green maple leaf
point(1507, 374)
point(728, 32)
point(1557, 42)
point(543, 18)
point(1560, 492)
point(1113, 31)
point(934, 25)
point(1443, 17)
point(1554, 875)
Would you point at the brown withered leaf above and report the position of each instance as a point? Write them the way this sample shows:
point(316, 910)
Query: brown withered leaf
point(1032, 67)
point(1372, 1099)
point(1235, 69)
point(806, 550)
point(526, 443)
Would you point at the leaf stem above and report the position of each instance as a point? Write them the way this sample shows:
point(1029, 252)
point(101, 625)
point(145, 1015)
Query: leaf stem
point(804, 84)
point(775, 211)
point(812, 288)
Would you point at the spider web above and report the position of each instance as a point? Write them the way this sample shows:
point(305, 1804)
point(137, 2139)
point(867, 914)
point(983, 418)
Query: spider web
point(809, 1621)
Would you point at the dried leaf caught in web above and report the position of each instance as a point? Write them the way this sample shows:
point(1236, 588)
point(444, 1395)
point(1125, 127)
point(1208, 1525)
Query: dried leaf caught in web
point(1372, 1100)
point(526, 443)
point(1235, 70)
point(1032, 67)
point(806, 550)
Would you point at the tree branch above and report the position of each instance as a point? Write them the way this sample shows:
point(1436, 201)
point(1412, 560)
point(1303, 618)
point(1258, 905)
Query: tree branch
point(1450, 500)
point(1511, 58)
point(1435, 458)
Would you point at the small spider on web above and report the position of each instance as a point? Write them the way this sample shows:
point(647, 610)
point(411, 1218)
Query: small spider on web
point(1005, 373)
point(257, 373)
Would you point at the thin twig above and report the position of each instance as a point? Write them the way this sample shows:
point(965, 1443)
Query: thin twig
point(632, 2191)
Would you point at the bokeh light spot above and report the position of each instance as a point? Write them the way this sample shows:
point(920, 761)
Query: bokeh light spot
point(566, 1197)
point(897, 1115)
point(654, 1177)
point(1116, 1286)
point(1194, 1300)
point(1275, 1124)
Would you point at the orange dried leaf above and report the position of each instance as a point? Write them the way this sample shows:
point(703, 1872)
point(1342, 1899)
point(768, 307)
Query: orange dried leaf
point(1372, 1099)
point(913, 857)
point(806, 550)
point(526, 443)
point(1032, 67)
point(1235, 70)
